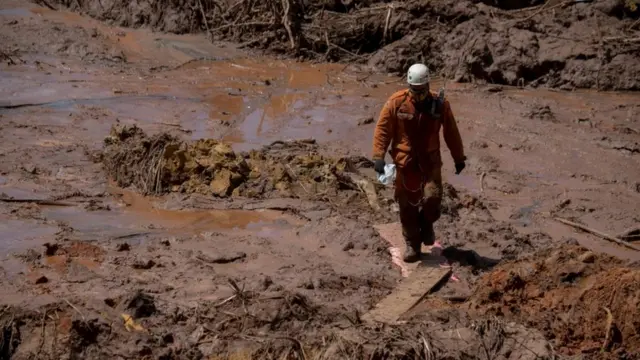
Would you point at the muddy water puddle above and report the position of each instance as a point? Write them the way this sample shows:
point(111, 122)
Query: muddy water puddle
point(21, 234)
point(202, 220)
point(134, 217)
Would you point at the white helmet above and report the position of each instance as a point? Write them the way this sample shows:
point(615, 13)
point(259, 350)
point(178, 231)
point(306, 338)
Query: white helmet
point(418, 74)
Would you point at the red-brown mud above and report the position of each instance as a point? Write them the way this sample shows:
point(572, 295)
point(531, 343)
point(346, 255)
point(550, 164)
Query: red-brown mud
point(282, 261)
point(556, 44)
point(582, 301)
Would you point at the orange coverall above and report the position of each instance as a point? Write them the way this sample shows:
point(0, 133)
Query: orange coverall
point(414, 137)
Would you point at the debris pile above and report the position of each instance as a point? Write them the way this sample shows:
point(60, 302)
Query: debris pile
point(163, 163)
point(507, 42)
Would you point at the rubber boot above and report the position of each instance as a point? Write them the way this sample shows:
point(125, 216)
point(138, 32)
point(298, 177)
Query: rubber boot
point(427, 233)
point(412, 251)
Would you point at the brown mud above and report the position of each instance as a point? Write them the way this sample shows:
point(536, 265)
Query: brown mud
point(229, 215)
point(569, 44)
point(580, 300)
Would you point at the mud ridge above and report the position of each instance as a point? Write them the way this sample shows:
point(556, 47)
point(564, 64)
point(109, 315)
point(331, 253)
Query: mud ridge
point(551, 44)
point(578, 299)
point(162, 163)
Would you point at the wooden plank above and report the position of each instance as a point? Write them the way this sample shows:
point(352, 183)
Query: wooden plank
point(409, 292)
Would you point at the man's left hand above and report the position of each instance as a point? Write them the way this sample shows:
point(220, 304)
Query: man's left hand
point(459, 167)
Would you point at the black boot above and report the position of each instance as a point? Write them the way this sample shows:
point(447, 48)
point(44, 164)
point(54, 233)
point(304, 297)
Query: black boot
point(412, 251)
point(427, 234)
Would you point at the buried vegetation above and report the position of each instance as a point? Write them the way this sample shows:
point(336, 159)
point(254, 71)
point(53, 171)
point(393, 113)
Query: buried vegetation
point(162, 163)
point(503, 42)
point(506, 317)
point(112, 284)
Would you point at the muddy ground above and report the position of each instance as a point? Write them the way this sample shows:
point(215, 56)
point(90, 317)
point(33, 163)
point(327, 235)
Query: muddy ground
point(568, 44)
point(166, 197)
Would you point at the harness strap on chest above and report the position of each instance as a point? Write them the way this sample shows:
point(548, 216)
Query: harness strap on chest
point(436, 105)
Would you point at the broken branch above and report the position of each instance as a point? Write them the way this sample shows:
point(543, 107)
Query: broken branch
point(204, 18)
point(386, 23)
point(597, 233)
point(285, 21)
point(608, 327)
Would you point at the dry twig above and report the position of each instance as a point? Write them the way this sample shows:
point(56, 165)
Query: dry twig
point(544, 8)
point(286, 23)
point(608, 330)
point(76, 309)
point(204, 17)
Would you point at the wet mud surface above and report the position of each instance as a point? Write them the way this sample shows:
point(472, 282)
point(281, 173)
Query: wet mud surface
point(166, 197)
point(568, 44)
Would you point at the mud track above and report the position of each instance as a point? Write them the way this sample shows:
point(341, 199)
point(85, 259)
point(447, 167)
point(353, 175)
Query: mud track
point(557, 44)
point(164, 196)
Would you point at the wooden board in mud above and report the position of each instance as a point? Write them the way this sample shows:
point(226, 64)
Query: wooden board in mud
point(407, 294)
point(392, 233)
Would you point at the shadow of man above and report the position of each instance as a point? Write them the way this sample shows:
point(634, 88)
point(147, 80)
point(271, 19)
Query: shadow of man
point(468, 258)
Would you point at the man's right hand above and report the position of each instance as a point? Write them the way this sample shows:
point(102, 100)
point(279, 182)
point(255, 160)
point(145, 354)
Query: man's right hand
point(378, 166)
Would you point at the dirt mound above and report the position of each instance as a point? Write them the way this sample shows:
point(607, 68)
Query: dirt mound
point(552, 44)
point(163, 163)
point(582, 301)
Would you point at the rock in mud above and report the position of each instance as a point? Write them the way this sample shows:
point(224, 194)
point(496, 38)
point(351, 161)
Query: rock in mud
point(143, 264)
point(51, 249)
point(588, 257)
point(83, 335)
point(143, 305)
point(348, 246)
point(542, 112)
point(366, 121)
point(95, 205)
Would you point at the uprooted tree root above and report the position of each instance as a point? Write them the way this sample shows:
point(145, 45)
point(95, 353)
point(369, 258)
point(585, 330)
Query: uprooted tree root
point(162, 163)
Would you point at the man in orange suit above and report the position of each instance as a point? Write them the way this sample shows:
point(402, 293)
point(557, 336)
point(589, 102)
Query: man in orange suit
point(410, 122)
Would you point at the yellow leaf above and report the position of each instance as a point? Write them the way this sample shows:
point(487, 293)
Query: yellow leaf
point(130, 324)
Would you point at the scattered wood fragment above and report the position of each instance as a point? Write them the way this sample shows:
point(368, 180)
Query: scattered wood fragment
point(386, 24)
point(606, 344)
point(204, 18)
